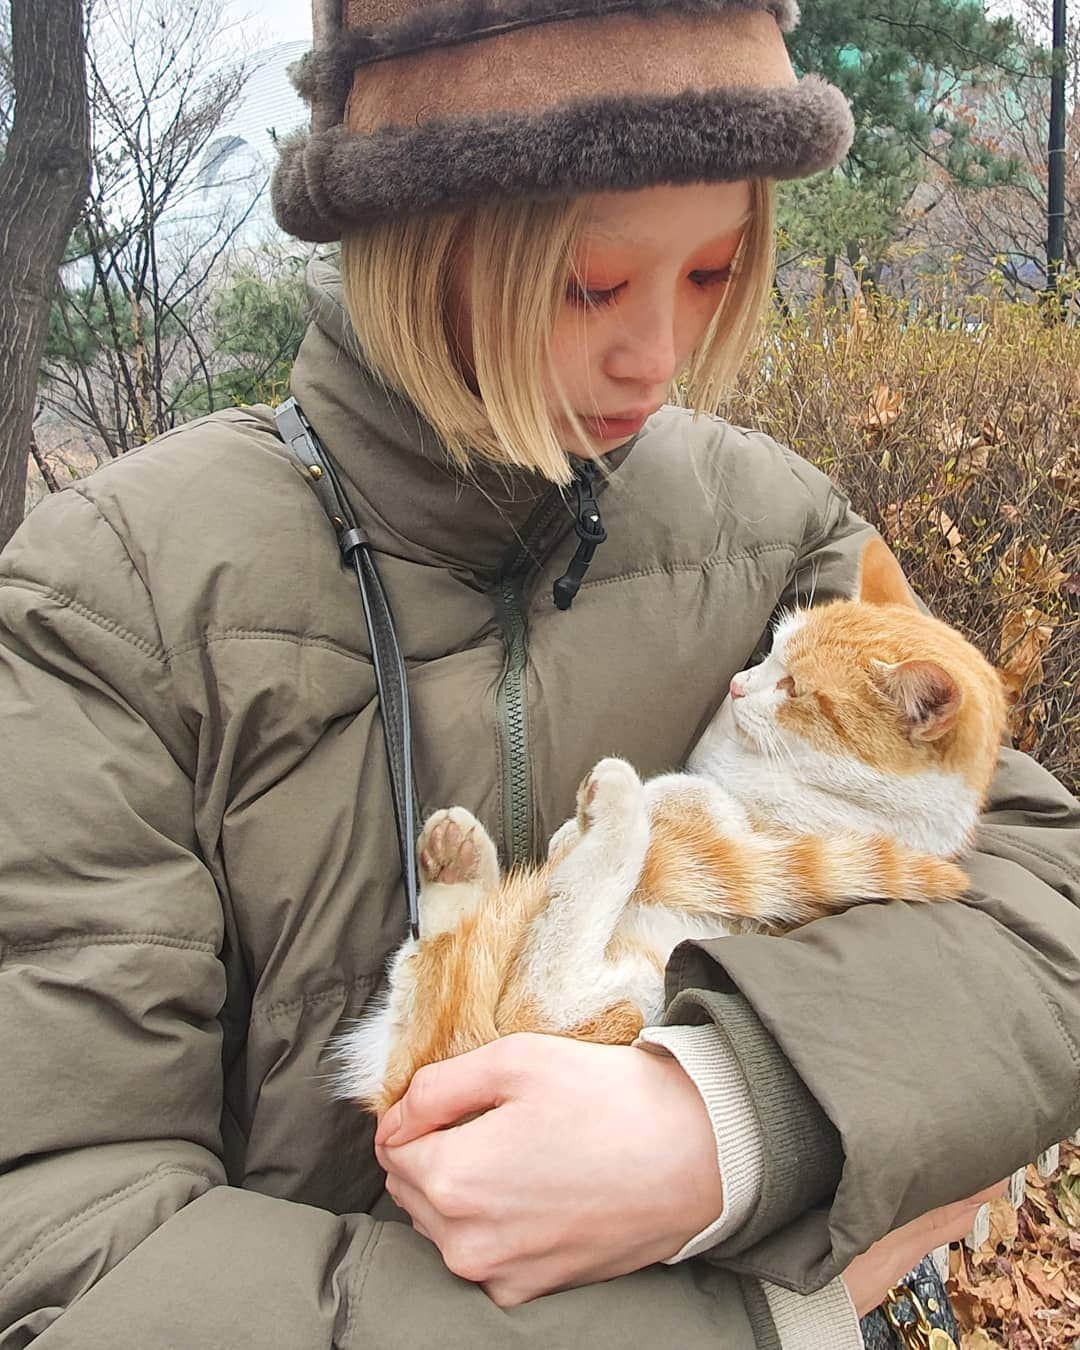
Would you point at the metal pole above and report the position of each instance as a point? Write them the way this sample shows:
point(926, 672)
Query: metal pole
point(1055, 212)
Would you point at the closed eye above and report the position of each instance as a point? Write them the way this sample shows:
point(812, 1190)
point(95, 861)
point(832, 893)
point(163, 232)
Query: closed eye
point(598, 299)
point(787, 684)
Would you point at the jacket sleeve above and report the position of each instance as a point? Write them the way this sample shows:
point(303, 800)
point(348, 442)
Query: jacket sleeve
point(899, 1057)
point(117, 1223)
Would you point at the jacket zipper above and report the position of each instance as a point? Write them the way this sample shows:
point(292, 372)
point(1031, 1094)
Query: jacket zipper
point(511, 707)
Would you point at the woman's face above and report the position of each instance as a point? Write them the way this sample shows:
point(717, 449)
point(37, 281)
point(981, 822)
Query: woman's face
point(652, 265)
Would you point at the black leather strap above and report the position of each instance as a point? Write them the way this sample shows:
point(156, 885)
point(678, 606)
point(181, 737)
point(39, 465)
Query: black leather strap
point(390, 677)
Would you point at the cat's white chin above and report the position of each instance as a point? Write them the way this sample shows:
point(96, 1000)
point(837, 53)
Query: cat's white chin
point(722, 736)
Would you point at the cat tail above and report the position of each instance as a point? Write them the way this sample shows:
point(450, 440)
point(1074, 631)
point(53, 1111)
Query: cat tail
point(809, 876)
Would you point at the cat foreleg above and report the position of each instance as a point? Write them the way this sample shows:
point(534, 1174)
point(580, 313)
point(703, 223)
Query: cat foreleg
point(377, 1056)
point(588, 889)
point(563, 840)
point(458, 867)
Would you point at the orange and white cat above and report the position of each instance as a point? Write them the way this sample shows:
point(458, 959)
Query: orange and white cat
point(849, 765)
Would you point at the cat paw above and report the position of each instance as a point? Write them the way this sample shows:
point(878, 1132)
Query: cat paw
point(612, 791)
point(455, 849)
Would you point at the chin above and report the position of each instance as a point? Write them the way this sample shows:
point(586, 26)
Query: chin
point(724, 721)
point(731, 729)
point(719, 734)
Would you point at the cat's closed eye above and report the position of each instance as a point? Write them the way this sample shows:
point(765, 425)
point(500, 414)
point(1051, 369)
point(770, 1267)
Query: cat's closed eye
point(788, 686)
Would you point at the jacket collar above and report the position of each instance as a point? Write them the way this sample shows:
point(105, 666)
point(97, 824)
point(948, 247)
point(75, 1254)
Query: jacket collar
point(409, 498)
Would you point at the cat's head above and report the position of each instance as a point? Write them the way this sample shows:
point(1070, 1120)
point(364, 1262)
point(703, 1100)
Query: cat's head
point(872, 683)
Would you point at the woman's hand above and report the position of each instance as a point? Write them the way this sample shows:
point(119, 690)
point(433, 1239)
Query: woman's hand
point(587, 1161)
point(872, 1275)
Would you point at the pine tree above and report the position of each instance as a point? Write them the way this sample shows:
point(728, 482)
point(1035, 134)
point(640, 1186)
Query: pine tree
point(904, 72)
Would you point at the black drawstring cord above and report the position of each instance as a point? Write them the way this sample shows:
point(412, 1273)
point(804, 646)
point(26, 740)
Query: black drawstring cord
point(590, 532)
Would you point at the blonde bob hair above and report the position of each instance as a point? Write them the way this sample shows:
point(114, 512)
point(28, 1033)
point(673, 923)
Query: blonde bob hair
point(395, 277)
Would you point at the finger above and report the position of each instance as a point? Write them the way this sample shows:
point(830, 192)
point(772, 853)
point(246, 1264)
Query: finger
point(953, 1222)
point(441, 1094)
point(507, 1294)
point(994, 1192)
point(963, 1211)
point(425, 1219)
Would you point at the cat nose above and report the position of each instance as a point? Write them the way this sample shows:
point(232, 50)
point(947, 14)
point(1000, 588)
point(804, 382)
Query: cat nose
point(735, 689)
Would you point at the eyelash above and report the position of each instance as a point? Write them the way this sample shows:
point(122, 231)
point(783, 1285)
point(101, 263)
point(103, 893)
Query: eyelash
point(600, 299)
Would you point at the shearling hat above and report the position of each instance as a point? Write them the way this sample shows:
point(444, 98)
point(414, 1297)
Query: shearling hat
point(421, 106)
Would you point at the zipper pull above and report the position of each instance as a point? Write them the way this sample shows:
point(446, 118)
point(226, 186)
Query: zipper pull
point(590, 532)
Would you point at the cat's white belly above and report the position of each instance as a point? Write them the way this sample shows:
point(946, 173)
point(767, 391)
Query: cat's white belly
point(658, 931)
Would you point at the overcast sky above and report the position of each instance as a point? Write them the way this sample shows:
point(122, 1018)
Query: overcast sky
point(266, 22)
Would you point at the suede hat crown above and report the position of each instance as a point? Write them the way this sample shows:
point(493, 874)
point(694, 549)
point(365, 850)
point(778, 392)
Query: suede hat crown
point(419, 106)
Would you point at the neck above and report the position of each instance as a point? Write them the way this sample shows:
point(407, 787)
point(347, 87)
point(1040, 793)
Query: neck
point(811, 793)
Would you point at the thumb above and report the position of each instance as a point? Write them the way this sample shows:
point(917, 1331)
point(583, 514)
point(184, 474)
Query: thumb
point(444, 1094)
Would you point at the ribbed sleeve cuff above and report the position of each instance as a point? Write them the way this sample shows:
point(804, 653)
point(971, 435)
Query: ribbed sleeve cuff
point(826, 1320)
point(785, 1239)
point(714, 1070)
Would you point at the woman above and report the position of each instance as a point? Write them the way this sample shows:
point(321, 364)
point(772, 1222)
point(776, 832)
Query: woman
point(199, 876)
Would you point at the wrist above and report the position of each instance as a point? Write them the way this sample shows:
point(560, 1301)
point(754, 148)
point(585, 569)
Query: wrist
point(690, 1140)
point(707, 1058)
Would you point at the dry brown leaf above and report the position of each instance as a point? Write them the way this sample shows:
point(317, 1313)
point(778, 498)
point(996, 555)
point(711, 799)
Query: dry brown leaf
point(1030, 729)
point(1025, 635)
point(952, 536)
point(1049, 1284)
point(1025, 1305)
point(974, 459)
point(951, 438)
point(1040, 569)
point(902, 518)
point(882, 409)
point(1003, 1223)
point(993, 433)
point(967, 455)
point(1065, 475)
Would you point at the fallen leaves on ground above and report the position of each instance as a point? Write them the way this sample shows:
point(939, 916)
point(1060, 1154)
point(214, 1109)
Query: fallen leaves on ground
point(1021, 1289)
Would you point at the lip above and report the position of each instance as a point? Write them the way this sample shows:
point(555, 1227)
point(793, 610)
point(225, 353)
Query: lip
point(618, 426)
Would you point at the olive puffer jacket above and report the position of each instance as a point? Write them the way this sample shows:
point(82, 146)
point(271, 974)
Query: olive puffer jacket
point(199, 879)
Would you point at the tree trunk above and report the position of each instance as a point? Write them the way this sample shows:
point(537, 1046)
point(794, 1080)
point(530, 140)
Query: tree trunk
point(866, 276)
point(779, 298)
point(44, 179)
point(829, 291)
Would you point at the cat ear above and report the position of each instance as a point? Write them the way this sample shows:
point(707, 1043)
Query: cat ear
point(881, 578)
point(926, 694)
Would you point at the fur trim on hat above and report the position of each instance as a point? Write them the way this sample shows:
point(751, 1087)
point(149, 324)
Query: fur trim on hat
point(327, 182)
point(324, 77)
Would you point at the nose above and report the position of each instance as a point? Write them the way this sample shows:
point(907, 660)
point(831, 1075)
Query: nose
point(646, 356)
point(735, 689)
